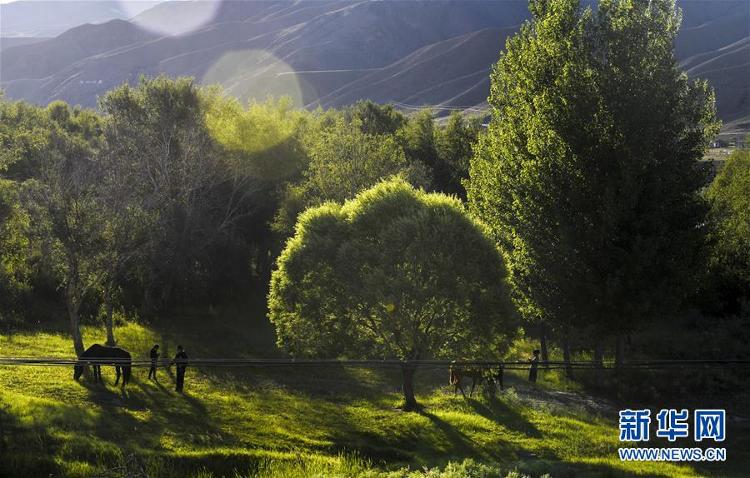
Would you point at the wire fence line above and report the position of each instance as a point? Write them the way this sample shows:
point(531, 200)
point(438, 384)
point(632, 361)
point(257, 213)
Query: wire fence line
point(422, 364)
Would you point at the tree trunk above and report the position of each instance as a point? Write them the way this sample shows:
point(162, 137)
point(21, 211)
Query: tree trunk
point(407, 371)
point(543, 348)
point(166, 292)
point(566, 357)
point(263, 263)
point(146, 304)
point(109, 325)
point(75, 329)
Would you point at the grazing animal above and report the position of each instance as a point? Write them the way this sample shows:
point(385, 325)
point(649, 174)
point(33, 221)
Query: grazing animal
point(458, 373)
point(98, 355)
point(482, 375)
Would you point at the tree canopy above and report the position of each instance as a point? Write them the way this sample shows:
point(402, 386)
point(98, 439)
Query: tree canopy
point(63, 203)
point(342, 161)
point(394, 273)
point(729, 228)
point(588, 175)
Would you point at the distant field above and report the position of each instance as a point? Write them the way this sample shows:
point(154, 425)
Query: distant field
point(289, 422)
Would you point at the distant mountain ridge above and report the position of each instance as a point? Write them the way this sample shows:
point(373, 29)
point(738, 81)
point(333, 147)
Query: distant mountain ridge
point(333, 53)
point(49, 18)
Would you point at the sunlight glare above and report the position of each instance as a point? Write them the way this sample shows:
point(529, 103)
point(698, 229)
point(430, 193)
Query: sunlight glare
point(257, 75)
point(174, 17)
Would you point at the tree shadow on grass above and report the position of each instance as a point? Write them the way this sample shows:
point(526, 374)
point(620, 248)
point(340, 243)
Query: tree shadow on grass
point(331, 382)
point(461, 443)
point(139, 417)
point(26, 449)
point(497, 411)
point(417, 444)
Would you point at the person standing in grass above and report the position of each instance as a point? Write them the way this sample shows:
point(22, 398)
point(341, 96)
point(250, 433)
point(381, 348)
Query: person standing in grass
point(181, 361)
point(499, 375)
point(534, 365)
point(154, 354)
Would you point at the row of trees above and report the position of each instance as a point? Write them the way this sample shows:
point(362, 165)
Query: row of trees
point(590, 185)
point(589, 174)
point(583, 203)
point(175, 194)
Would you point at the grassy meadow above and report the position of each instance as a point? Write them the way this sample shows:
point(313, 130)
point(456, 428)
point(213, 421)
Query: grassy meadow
point(281, 421)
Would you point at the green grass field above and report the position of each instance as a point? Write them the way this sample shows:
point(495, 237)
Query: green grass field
point(275, 422)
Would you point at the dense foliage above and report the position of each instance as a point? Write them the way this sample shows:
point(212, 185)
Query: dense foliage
point(729, 235)
point(592, 190)
point(394, 273)
point(175, 195)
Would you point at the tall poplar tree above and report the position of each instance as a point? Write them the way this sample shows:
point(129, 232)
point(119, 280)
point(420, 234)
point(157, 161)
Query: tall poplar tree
point(588, 174)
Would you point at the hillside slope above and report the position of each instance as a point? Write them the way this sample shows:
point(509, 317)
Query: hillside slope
point(333, 53)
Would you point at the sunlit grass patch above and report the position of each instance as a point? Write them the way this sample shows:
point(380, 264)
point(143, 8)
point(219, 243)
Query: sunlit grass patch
point(289, 422)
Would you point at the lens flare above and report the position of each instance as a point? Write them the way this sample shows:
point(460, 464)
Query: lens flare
point(173, 17)
point(260, 114)
point(257, 75)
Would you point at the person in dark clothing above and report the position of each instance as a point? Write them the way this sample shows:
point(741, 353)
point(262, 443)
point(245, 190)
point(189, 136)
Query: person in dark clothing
point(534, 365)
point(154, 354)
point(499, 375)
point(181, 361)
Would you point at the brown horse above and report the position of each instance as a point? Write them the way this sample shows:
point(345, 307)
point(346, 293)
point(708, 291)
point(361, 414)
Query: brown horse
point(477, 374)
point(459, 372)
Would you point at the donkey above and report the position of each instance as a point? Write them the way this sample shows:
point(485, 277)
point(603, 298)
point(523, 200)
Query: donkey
point(98, 355)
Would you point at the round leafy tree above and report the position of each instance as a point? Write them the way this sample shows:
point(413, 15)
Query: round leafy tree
point(395, 273)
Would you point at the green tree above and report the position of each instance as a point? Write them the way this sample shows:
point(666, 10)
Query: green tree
point(343, 161)
point(729, 196)
point(588, 175)
point(372, 118)
point(444, 151)
point(417, 138)
point(264, 138)
point(263, 150)
point(395, 273)
point(178, 178)
point(454, 144)
point(21, 138)
point(15, 270)
point(64, 204)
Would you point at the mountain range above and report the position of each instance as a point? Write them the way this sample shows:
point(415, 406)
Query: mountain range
point(331, 52)
point(49, 18)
